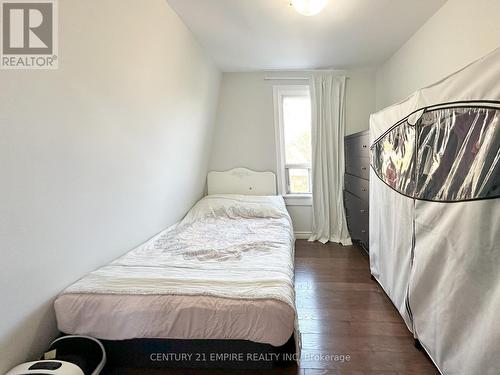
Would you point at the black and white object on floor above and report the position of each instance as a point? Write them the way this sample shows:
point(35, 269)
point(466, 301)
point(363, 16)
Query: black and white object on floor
point(46, 367)
point(69, 355)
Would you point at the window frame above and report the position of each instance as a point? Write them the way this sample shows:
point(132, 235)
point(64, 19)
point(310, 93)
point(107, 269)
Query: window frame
point(280, 91)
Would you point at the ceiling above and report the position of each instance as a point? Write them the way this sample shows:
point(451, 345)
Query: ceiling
point(243, 35)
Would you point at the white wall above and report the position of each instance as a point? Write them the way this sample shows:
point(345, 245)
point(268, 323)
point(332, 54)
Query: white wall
point(97, 156)
point(457, 34)
point(244, 132)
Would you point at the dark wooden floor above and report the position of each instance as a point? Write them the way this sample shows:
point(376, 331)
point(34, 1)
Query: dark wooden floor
point(341, 312)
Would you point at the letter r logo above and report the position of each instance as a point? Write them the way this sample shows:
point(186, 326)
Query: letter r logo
point(27, 28)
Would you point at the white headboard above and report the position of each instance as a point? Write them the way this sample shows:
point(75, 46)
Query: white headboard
point(241, 181)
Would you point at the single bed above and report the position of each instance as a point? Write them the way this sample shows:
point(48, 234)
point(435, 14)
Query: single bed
point(220, 281)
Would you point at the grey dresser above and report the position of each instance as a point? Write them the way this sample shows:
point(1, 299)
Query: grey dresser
point(356, 185)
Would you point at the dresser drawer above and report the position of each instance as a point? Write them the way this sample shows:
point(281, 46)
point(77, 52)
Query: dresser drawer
point(358, 146)
point(365, 238)
point(357, 217)
point(364, 220)
point(357, 186)
point(359, 167)
point(352, 204)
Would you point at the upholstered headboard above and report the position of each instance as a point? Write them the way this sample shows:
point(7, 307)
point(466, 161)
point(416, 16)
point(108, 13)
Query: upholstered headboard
point(241, 181)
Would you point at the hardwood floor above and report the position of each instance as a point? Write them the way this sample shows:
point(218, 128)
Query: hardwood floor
point(341, 312)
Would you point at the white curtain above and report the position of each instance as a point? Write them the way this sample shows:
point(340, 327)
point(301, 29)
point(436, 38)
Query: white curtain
point(328, 127)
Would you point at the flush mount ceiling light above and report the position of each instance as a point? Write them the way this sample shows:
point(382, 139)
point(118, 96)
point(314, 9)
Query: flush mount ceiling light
point(308, 7)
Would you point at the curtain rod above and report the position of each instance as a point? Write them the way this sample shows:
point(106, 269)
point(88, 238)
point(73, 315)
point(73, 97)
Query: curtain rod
point(286, 78)
point(289, 78)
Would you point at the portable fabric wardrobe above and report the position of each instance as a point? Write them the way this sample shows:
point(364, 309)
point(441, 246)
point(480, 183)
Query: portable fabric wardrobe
point(435, 215)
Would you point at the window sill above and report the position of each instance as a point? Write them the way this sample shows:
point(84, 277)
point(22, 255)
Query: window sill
point(298, 199)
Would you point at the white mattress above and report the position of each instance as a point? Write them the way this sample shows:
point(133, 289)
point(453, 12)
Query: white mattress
point(224, 272)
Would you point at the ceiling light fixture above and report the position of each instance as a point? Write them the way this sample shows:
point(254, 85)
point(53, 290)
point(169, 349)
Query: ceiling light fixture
point(308, 7)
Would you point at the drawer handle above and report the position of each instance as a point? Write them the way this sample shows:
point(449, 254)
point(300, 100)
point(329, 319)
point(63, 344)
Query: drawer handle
point(362, 211)
point(363, 189)
point(363, 168)
point(364, 146)
point(363, 231)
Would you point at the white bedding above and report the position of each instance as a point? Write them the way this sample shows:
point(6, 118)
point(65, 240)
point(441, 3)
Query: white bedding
point(225, 271)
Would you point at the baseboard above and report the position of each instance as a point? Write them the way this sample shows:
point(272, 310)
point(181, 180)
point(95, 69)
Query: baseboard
point(302, 235)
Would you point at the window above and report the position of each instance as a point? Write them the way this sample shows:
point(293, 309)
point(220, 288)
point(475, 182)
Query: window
point(292, 106)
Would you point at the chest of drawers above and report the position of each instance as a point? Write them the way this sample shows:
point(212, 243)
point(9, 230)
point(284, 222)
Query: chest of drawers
point(356, 185)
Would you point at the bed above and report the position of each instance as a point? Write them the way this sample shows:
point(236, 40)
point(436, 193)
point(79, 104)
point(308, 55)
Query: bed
point(214, 290)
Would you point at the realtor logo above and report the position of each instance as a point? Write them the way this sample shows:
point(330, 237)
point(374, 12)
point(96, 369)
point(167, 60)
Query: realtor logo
point(29, 34)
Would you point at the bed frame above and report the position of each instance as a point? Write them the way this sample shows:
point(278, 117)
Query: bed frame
point(197, 354)
point(241, 181)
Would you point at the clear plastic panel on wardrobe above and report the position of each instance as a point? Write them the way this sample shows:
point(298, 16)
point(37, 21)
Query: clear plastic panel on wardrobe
point(393, 158)
point(458, 154)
